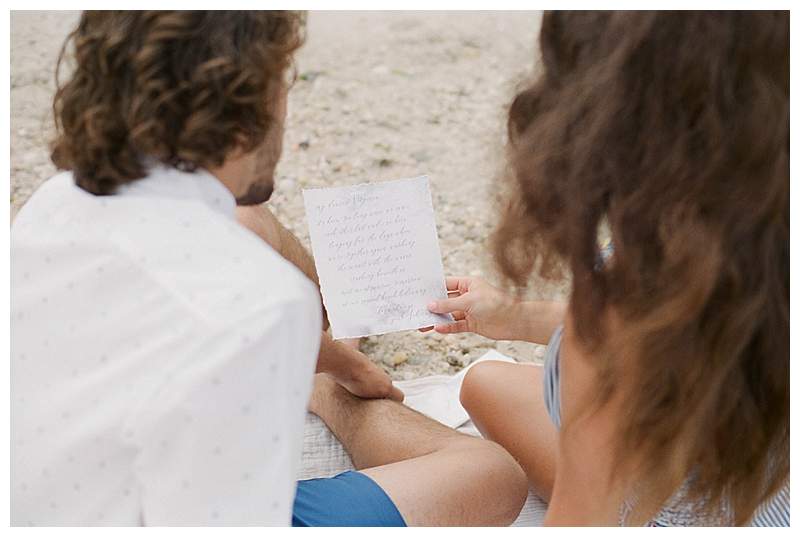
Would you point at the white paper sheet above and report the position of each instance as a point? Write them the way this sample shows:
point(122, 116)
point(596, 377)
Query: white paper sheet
point(377, 256)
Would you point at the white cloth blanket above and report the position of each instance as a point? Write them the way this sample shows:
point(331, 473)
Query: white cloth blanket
point(437, 398)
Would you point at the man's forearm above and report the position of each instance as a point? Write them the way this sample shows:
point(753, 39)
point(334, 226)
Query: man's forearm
point(347, 365)
point(353, 370)
point(338, 359)
point(260, 220)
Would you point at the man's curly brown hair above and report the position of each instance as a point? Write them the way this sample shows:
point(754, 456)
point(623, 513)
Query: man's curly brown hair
point(669, 130)
point(185, 88)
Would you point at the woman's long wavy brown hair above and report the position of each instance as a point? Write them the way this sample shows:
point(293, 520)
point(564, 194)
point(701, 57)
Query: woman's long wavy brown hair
point(182, 87)
point(670, 132)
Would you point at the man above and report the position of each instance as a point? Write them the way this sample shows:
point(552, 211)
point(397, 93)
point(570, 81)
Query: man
point(162, 353)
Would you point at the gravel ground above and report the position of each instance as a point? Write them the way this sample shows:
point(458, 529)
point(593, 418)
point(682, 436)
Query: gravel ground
point(380, 95)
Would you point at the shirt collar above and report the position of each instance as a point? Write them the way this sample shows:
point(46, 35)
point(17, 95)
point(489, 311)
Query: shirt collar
point(167, 182)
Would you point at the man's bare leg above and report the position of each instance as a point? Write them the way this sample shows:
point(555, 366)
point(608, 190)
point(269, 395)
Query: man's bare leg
point(434, 475)
point(349, 366)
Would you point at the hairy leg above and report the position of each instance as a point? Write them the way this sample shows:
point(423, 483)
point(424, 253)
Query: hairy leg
point(434, 475)
point(506, 403)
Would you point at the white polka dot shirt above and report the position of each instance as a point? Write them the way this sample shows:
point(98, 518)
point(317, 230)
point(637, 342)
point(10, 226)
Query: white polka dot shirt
point(161, 359)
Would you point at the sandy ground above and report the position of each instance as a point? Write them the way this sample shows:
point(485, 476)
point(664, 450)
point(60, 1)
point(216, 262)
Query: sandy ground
point(380, 96)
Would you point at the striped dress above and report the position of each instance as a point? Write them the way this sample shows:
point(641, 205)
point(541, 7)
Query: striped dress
point(679, 512)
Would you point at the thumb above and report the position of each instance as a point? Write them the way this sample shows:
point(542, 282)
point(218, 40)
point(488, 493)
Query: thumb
point(396, 395)
point(449, 305)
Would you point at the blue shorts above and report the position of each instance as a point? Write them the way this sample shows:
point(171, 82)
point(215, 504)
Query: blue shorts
point(348, 499)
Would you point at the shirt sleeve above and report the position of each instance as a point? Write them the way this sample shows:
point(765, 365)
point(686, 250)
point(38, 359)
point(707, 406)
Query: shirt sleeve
point(220, 442)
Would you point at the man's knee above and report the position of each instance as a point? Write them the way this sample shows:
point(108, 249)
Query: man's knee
point(502, 479)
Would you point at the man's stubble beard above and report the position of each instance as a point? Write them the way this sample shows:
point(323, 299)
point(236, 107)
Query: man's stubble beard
point(266, 160)
point(256, 194)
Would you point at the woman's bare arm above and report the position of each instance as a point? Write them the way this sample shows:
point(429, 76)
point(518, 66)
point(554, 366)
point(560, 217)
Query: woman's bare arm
point(479, 307)
point(584, 492)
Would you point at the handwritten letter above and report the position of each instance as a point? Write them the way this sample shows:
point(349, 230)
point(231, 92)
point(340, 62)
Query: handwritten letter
point(377, 256)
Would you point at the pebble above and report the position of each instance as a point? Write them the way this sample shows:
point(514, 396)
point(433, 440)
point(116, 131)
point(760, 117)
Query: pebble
point(421, 156)
point(458, 360)
point(396, 359)
point(310, 76)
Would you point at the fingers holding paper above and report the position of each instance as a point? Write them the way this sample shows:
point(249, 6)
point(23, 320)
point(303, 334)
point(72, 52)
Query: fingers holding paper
point(456, 287)
point(456, 305)
point(476, 306)
point(479, 307)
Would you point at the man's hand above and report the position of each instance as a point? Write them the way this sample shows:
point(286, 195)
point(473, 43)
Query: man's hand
point(353, 370)
point(370, 382)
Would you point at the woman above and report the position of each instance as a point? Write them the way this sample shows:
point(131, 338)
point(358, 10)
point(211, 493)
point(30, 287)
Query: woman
point(665, 394)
